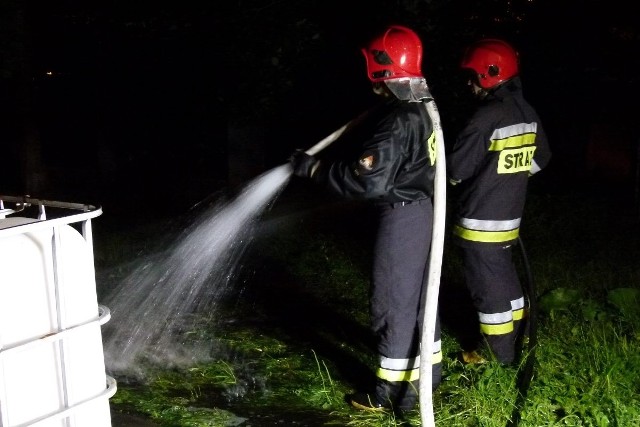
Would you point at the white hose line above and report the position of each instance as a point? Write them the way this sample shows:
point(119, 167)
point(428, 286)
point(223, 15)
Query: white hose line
point(338, 132)
point(435, 268)
point(327, 141)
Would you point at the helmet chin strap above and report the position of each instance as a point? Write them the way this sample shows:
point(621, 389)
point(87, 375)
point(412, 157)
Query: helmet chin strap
point(379, 88)
point(481, 93)
point(412, 89)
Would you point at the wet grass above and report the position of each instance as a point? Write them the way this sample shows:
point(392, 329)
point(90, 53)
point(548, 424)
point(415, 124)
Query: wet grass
point(292, 339)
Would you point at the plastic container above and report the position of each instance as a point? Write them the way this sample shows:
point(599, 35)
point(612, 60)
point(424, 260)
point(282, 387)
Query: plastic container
point(52, 370)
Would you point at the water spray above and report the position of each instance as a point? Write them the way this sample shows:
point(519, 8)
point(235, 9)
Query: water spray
point(161, 297)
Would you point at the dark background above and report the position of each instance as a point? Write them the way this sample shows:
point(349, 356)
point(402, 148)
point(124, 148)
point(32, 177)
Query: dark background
point(132, 103)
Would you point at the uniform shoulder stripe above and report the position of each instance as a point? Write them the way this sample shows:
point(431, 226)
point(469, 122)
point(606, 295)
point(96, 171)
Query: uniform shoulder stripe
point(512, 136)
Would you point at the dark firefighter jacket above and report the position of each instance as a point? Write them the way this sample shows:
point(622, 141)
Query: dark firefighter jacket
point(396, 162)
point(491, 161)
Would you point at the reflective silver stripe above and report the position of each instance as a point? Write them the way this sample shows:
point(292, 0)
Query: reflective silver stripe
point(495, 318)
point(437, 346)
point(517, 304)
point(519, 129)
point(534, 168)
point(400, 364)
point(487, 225)
point(406, 364)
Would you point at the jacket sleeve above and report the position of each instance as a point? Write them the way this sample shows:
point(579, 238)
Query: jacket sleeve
point(543, 152)
point(371, 174)
point(468, 152)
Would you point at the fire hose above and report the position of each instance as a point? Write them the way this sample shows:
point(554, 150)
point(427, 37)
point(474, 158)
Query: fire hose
point(525, 372)
point(434, 271)
point(325, 142)
point(328, 140)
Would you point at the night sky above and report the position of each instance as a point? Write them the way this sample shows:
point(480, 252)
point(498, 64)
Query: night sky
point(140, 101)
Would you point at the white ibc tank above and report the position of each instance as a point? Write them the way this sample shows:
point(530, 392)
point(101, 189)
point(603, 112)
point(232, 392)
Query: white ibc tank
point(52, 369)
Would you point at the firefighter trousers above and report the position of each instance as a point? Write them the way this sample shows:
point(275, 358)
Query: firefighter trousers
point(398, 291)
point(497, 295)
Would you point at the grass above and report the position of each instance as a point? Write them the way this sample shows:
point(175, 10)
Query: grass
point(306, 344)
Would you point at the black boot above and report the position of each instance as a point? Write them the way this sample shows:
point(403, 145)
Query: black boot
point(405, 394)
point(388, 395)
point(366, 402)
point(522, 328)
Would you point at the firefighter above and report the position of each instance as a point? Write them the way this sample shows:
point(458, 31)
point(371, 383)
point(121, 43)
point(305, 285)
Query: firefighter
point(499, 148)
point(393, 168)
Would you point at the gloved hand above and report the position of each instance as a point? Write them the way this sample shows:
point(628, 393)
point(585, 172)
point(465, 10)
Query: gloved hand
point(303, 164)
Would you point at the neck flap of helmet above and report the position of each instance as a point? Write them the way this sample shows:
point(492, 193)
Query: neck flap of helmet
point(411, 89)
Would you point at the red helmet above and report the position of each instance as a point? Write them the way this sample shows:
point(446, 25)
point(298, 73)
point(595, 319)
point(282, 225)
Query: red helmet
point(493, 60)
point(396, 53)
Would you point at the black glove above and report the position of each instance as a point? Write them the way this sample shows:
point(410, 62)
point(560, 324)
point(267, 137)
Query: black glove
point(303, 164)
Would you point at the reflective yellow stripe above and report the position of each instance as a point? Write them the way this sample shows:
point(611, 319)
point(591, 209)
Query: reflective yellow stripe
point(432, 147)
point(389, 375)
point(486, 236)
point(406, 375)
point(518, 314)
point(512, 142)
point(501, 329)
point(513, 136)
